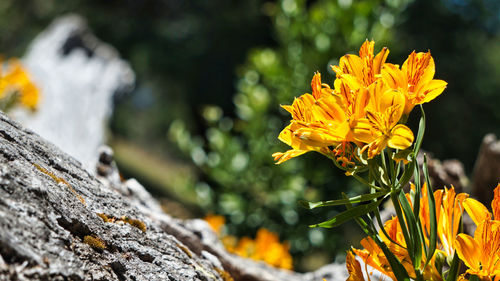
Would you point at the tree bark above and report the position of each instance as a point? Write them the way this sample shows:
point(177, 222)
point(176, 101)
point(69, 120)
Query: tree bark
point(59, 222)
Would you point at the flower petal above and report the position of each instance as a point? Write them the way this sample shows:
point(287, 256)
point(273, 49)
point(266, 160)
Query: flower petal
point(468, 251)
point(432, 89)
point(402, 137)
point(495, 204)
point(476, 210)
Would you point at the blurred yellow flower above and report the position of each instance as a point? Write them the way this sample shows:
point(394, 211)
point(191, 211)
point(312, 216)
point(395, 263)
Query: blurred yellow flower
point(216, 222)
point(266, 247)
point(16, 86)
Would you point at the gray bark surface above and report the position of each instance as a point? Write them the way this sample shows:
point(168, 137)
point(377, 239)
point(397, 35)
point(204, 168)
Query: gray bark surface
point(43, 224)
point(48, 233)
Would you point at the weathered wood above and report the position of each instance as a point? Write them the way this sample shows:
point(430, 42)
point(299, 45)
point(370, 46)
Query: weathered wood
point(59, 222)
point(486, 173)
point(48, 233)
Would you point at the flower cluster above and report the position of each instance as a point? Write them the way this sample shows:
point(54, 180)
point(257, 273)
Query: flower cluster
point(265, 247)
point(365, 110)
point(481, 253)
point(16, 86)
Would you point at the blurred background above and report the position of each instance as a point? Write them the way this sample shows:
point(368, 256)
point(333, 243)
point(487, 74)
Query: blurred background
point(201, 124)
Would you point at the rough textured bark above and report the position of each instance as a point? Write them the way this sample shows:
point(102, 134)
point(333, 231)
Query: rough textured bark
point(50, 227)
point(59, 222)
point(486, 173)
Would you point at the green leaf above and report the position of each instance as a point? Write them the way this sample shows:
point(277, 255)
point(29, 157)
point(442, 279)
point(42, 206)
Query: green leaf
point(432, 213)
point(421, 131)
point(418, 189)
point(408, 173)
point(414, 232)
point(348, 214)
point(473, 278)
point(402, 155)
point(454, 269)
point(352, 200)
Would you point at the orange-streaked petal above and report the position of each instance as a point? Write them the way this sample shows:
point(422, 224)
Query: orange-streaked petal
point(432, 89)
point(393, 76)
point(395, 99)
point(281, 157)
point(379, 60)
point(363, 131)
point(316, 85)
point(353, 267)
point(322, 135)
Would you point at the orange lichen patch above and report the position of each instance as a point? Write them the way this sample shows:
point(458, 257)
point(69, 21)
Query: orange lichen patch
point(216, 222)
point(59, 180)
point(104, 217)
point(94, 242)
point(135, 223)
point(124, 219)
point(224, 274)
point(185, 250)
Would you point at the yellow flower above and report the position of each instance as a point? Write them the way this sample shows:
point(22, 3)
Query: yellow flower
point(318, 121)
point(414, 79)
point(481, 253)
point(362, 71)
point(449, 210)
point(380, 127)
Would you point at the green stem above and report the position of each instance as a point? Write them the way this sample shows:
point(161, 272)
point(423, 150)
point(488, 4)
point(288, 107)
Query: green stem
point(399, 214)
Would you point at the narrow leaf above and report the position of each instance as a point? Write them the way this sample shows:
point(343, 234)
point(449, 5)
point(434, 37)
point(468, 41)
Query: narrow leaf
point(454, 269)
point(432, 213)
point(413, 230)
point(473, 278)
point(421, 131)
point(352, 200)
point(348, 215)
point(408, 173)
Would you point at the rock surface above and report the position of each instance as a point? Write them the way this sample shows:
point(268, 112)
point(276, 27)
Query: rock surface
point(78, 75)
point(59, 222)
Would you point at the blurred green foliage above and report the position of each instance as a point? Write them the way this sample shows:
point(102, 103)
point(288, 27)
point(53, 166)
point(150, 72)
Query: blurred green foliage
point(240, 179)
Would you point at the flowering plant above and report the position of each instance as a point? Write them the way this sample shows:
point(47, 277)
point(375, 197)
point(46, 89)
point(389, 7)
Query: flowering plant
point(360, 125)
